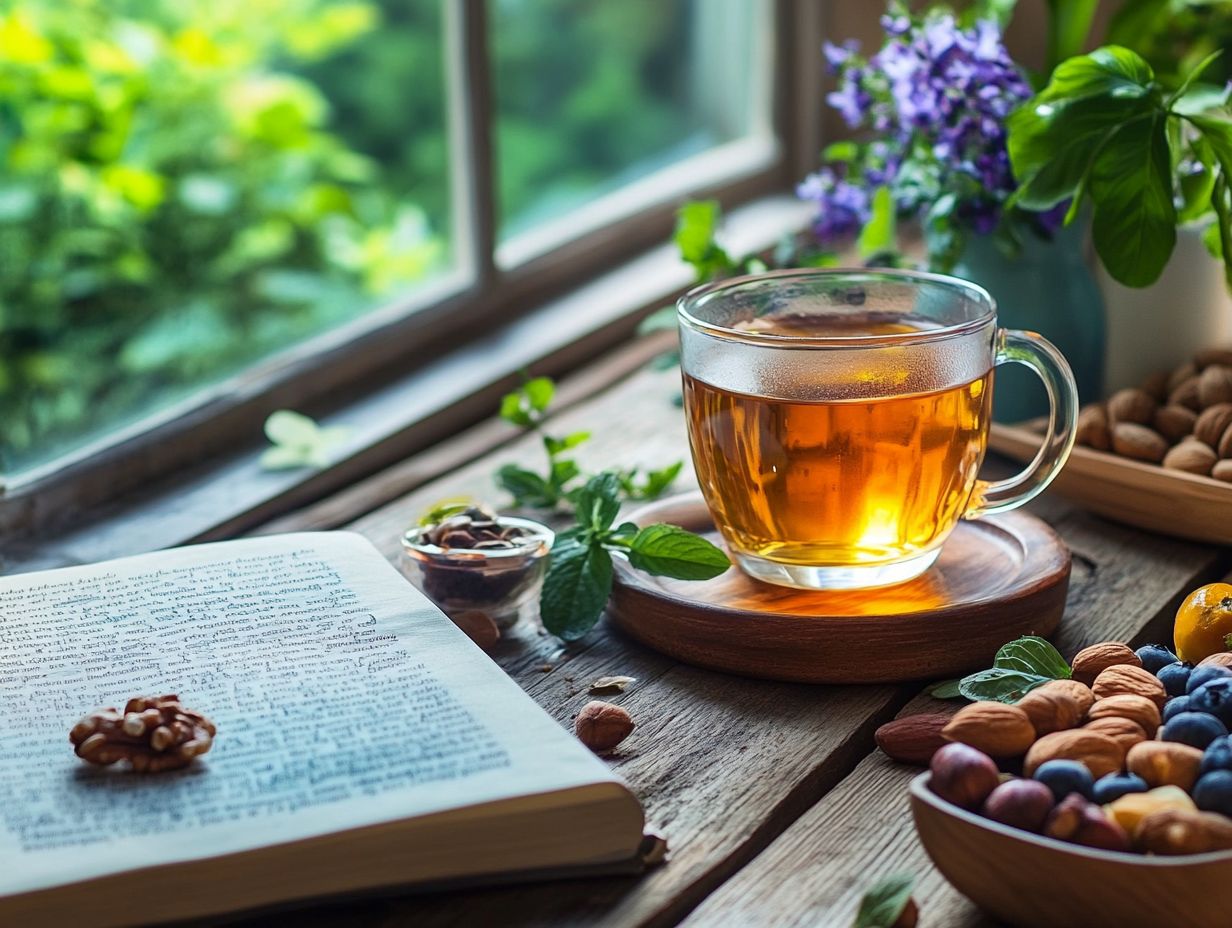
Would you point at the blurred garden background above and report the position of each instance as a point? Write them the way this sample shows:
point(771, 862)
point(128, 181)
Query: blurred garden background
point(188, 186)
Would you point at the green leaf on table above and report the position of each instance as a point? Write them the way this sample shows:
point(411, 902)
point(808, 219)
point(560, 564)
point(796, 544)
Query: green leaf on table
point(555, 446)
point(946, 689)
point(653, 485)
point(884, 903)
point(1034, 655)
point(697, 224)
point(526, 487)
point(598, 502)
point(298, 441)
point(879, 234)
point(1000, 685)
point(670, 551)
point(576, 587)
point(525, 406)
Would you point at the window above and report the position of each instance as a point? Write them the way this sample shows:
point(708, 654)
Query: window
point(198, 195)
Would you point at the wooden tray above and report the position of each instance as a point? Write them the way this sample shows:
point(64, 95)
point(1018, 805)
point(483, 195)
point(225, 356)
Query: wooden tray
point(996, 579)
point(1168, 502)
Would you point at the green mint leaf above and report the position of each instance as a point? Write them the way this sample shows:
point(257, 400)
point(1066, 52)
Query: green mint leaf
point(298, 441)
point(670, 551)
point(1034, 655)
point(562, 472)
point(1000, 685)
point(946, 689)
point(576, 587)
point(442, 509)
point(1193, 75)
point(539, 392)
point(598, 501)
point(555, 446)
point(655, 483)
point(526, 487)
point(512, 411)
point(884, 903)
point(844, 151)
point(697, 223)
point(879, 235)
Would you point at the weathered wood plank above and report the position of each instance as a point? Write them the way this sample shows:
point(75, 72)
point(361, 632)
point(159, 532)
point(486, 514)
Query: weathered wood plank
point(1126, 586)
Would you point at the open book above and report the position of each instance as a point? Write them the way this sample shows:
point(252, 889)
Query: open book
point(363, 741)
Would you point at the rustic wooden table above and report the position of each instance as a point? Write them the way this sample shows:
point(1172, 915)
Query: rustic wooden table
point(777, 808)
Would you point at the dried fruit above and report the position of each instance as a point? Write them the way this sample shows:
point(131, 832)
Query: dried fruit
point(1165, 763)
point(1186, 394)
point(1140, 709)
point(1098, 752)
point(1191, 456)
point(1051, 709)
point(1126, 732)
point(1019, 803)
point(1131, 405)
point(1174, 422)
point(153, 733)
point(479, 628)
point(601, 725)
point(1213, 422)
point(1126, 679)
point(992, 727)
point(1131, 809)
point(1175, 831)
point(963, 776)
point(1091, 661)
point(1093, 430)
point(913, 739)
point(1080, 821)
point(1138, 442)
point(1215, 385)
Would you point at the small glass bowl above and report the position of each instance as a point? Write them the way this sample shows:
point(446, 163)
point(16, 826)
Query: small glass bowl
point(504, 583)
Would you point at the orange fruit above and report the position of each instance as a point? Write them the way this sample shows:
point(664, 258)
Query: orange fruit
point(1204, 622)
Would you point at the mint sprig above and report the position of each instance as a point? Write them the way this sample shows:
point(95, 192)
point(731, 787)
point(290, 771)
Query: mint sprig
point(1019, 667)
point(579, 577)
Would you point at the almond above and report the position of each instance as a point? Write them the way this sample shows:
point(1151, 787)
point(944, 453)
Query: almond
point(1165, 763)
point(1221, 659)
point(1181, 374)
point(1156, 386)
point(913, 739)
point(1174, 422)
point(1138, 442)
point(1077, 691)
point(1222, 471)
point(1224, 448)
point(1215, 385)
point(1209, 356)
point(1126, 679)
point(1212, 423)
point(992, 727)
point(1051, 710)
point(1186, 394)
point(1091, 661)
point(1126, 732)
point(1131, 405)
point(1100, 753)
point(1138, 709)
point(1191, 456)
point(1092, 428)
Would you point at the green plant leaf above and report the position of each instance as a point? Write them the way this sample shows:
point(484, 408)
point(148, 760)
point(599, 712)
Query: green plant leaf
point(555, 446)
point(946, 689)
point(1000, 685)
point(598, 501)
point(1193, 75)
point(512, 411)
point(539, 392)
point(1034, 655)
point(879, 234)
point(670, 551)
point(843, 151)
point(298, 441)
point(1069, 25)
point(575, 588)
point(526, 487)
point(697, 224)
point(442, 509)
point(653, 485)
point(882, 905)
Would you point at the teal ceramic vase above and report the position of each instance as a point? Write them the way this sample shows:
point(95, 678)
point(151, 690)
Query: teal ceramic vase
point(1047, 288)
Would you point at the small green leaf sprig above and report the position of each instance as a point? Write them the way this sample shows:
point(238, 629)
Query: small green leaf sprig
point(298, 441)
point(1019, 667)
point(887, 903)
point(526, 407)
point(579, 577)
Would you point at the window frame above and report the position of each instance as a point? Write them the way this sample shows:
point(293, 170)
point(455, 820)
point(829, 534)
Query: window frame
point(354, 360)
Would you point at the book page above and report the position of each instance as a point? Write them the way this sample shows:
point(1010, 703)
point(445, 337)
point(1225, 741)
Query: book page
point(342, 697)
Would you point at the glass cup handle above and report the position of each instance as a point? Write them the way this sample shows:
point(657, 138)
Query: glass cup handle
point(1014, 346)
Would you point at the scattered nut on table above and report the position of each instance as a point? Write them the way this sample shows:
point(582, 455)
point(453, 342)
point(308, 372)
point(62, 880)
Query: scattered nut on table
point(601, 725)
point(153, 733)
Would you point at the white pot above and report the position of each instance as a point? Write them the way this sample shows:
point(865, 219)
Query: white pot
point(1161, 326)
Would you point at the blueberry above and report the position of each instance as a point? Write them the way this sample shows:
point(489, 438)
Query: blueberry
point(1176, 705)
point(1064, 777)
point(1175, 677)
point(1197, 729)
point(1155, 657)
point(1203, 675)
point(1214, 697)
point(1213, 792)
point(1116, 785)
point(1218, 756)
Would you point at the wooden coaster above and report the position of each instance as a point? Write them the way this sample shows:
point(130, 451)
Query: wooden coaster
point(997, 578)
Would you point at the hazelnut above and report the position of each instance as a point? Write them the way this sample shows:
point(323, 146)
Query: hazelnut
point(963, 776)
point(1215, 385)
point(1019, 803)
point(1186, 394)
point(992, 727)
point(1138, 442)
point(601, 725)
point(1080, 821)
point(1092, 428)
point(1091, 661)
point(1156, 386)
point(1174, 422)
point(1212, 423)
point(1131, 405)
point(1132, 808)
point(1126, 679)
point(1177, 831)
point(1222, 471)
point(1191, 456)
point(1181, 374)
point(1224, 448)
point(1165, 763)
point(1139, 709)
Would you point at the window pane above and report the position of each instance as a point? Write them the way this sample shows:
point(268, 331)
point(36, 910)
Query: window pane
point(593, 95)
point(189, 186)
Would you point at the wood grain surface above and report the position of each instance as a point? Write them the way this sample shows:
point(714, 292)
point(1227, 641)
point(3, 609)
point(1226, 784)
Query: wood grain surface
point(997, 579)
point(776, 806)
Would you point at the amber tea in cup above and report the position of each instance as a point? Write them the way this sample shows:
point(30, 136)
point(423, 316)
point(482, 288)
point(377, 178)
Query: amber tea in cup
point(838, 419)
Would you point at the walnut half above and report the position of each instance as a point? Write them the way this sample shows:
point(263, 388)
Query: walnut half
point(153, 733)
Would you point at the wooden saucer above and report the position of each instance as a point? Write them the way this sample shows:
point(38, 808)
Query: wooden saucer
point(997, 578)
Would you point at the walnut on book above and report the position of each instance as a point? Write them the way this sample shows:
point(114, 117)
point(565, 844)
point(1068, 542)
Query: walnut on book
point(153, 733)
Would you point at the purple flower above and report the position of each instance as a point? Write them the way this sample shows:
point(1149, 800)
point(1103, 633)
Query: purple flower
point(838, 55)
point(842, 208)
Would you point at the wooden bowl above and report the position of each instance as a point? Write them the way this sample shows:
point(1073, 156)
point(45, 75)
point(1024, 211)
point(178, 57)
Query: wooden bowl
point(1029, 880)
point(1147, 496)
